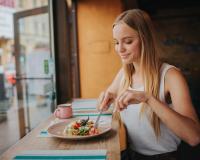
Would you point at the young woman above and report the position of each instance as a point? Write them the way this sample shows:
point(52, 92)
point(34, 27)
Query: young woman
point(152, 97)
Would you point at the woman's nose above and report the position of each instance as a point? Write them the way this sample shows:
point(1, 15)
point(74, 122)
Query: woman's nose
point(121, 48)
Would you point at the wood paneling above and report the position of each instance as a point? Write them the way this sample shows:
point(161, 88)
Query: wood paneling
point(98, 60)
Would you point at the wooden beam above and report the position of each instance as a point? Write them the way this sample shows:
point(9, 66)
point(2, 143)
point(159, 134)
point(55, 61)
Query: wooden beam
point(62, 51)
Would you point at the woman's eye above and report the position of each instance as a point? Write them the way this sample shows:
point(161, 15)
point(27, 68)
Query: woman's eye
point(128, 41)
point(116, 43)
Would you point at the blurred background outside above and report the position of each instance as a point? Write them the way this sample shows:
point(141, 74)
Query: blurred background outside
point(34, 59)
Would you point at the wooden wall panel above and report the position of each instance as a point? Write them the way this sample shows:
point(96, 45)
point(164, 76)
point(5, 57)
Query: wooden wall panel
point(98, 61)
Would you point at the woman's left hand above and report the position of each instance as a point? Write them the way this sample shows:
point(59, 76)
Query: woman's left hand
point(130, 97)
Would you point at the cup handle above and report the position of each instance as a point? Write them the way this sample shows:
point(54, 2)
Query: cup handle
point(56, 112)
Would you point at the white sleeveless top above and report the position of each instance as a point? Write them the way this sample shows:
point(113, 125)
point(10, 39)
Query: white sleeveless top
point(141, 136)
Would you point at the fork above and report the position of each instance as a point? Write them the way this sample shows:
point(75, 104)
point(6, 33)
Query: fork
point(97, 120)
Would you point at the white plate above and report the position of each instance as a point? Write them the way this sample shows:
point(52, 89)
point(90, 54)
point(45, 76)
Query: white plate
point(57, 130)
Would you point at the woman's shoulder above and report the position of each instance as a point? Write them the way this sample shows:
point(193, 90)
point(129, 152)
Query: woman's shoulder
point(119, 76)
point(120, 73)
point(173, 73)
point(174, 76)
point(167, 66)
point(170, 69)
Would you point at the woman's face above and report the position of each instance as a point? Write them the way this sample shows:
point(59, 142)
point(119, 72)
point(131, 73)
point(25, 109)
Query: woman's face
point(127, 43)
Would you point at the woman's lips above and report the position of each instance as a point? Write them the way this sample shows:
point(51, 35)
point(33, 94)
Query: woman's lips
point(124, 56)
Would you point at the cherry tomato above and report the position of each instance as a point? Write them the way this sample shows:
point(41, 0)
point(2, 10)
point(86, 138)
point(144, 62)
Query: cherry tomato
point(93, 131)
point(76, 125)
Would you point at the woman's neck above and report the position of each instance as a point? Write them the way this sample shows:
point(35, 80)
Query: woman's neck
point(138, 70)
point(137, 78)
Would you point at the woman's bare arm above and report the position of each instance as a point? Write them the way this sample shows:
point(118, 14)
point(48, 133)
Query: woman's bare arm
point(182, 119)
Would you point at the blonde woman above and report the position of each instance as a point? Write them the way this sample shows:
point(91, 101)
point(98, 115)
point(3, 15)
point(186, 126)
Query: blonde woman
point(152, 97)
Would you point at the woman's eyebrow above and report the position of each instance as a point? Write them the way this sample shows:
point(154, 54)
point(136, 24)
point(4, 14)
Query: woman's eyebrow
point(129, 37)
point(125, 38)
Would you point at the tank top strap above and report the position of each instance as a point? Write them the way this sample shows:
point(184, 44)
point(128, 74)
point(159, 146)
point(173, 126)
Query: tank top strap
point(164, 68)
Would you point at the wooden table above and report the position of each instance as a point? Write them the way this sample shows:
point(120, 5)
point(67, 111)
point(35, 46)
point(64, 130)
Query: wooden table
point(108, 141)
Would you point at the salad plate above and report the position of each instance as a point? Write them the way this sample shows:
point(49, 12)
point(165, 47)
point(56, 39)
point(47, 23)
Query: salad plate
point(77, 129)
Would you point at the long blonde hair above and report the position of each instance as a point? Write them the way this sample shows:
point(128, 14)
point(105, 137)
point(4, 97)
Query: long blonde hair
point(150, 63)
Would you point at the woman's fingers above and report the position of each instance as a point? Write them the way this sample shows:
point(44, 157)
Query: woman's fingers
point(122, 101)
point(121, 104)
point(140, 96)
point(109, 98)
point(100, 100)
point(129, 97)
point(106, 101)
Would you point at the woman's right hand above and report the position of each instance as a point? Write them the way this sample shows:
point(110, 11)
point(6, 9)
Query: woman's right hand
point(105, 100)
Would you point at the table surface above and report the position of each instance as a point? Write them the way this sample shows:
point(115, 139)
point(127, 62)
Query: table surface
point(108, 141)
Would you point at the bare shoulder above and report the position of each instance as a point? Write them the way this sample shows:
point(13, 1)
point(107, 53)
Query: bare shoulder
point(116, 82)
point(174, 77)
point(121, 72)
point(119, 75)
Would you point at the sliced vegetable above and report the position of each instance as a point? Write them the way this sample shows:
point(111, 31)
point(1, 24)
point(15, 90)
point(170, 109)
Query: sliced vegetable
point(81, 127)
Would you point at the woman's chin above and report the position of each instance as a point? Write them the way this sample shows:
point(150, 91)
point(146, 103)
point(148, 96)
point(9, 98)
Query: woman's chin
point(126, 61)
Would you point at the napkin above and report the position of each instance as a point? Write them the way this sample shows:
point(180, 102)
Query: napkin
point(63, 154)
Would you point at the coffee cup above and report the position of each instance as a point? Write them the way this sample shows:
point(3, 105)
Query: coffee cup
point(63, 111)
